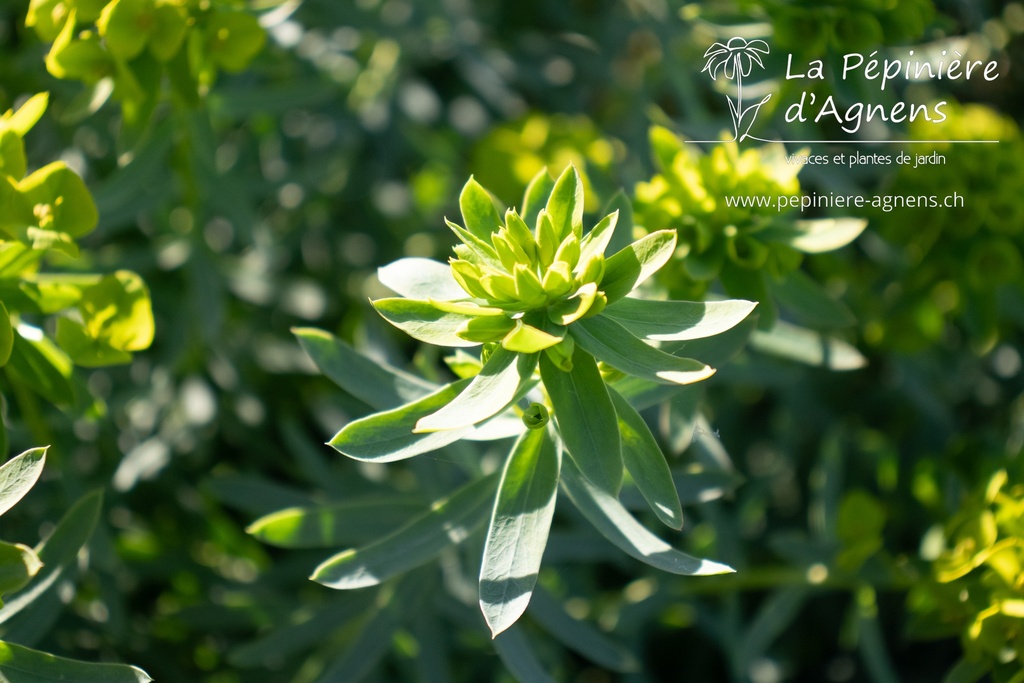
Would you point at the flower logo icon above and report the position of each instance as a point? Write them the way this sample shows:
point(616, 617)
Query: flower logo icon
point(736, 59)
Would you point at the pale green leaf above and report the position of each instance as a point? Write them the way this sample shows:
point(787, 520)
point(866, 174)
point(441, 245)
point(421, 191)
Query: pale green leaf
point(565, 204)
point(537, 193)
point(18, 564)
point(616, 524)
point(518, 531)
point(678, 320)
point(597, 240)
point(586, 419)
point(374, 382)
point(18, 475)
point(528, 339)
point(62, 198)
point(448, 522)
point(646, 463)
point(611, 343)
point(423, 321)
point(85, 350)
point(117, 310)
point(23, 665)
point(816, 236)
point(420, 278)
point(21, 121)
point(331, 526)
point(488, 393)
point(630, 267)
point(388, 436)
point(479, 214)
point(807, 346)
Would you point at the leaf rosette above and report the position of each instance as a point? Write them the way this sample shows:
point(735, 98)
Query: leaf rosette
point(558, 327)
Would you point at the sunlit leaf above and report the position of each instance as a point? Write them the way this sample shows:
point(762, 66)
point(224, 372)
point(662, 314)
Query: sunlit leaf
point(18, 475)
point(537, 193)
point(389, 435)
point(331, 526)
point(6, 335)
point(42, 367)
point(629, 268)
point(611, 343)
point(518, 530)
point(678, 320)
point(22, 665)
point(420, 278)
point(487, 394)
point(565, 204)
point(479, 214)
point(621, 528)
point(423, 321)
point(816, 236)
point(807, 346)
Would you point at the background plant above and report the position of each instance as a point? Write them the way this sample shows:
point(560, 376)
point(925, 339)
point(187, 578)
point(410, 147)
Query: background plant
point(272, 205)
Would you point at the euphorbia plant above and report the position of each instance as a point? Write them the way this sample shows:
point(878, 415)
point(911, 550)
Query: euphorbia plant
point(557, 330)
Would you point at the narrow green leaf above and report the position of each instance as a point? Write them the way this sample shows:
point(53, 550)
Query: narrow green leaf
point(810, 303)
point(622, 529)
point(374, 382)
point(600, 236)
point(816, 236)
point(629, 268)
point(518, 531)
point(423, 321)
point(678, 320)
point(479, 214)
point(610, 342)
point(43, 367)
point(580, 636)
point(586, 419)
point(537, 193)
point(28, 114)
point(388, 436)
point(331, 526)
point(18, 564)
point(646, 463)
point(6, 335)
point(420, 278)
point(23, 665)
point(488, 393)
point(448, 522)
point(565, 204)
point(518, 657)
point(18, 475)
point(58, 553)
point(807, 346)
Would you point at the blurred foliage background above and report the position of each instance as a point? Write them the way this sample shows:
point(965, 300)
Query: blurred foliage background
point(869, 497)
